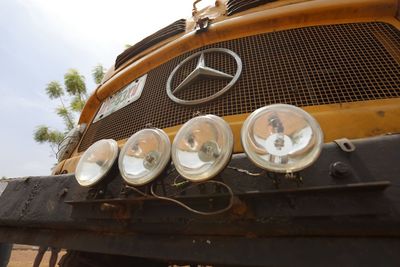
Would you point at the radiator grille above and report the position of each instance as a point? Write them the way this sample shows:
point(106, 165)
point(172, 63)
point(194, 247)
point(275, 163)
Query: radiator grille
point(303, 67)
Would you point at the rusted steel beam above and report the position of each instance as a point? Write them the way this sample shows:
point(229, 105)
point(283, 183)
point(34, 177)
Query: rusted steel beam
point(353, 202)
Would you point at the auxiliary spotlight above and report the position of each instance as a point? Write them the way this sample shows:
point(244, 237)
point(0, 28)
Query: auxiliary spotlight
point(282, 138)
point(96, 162)
point(202, 148)
point(144, 156)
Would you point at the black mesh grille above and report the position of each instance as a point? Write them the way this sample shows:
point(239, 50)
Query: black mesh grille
point(303, 67)
point(163, 34)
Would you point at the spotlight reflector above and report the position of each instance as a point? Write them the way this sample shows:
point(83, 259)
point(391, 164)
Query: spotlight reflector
point(202, 147)
point(144, 156)
point(281, 138)
point(96, 162)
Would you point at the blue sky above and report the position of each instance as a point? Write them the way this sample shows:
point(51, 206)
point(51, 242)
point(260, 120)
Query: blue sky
point(40, 41)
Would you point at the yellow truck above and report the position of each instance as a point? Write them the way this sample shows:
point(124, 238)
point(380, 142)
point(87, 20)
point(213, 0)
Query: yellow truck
point(254, 133)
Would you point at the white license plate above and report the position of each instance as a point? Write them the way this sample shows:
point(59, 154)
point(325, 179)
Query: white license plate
point(122, 98)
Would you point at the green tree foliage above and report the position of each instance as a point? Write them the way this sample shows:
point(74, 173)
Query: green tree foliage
point(77, 104)
point(43, 134)
point(65, 114)
point(76, 88)
point(98, 73)
point(75, 83)
point(54, 90)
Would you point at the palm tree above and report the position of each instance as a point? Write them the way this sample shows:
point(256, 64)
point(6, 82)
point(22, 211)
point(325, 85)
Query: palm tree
point(98, 73)
point(41, 134)
point(75, 84)
point(44, 134)
point(77, 104)
point(65, 114)
point(55, 91)
point(75, 87)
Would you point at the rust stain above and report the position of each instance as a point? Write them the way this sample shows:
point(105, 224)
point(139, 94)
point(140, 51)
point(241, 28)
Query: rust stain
point(381, 113)
point(239, 207)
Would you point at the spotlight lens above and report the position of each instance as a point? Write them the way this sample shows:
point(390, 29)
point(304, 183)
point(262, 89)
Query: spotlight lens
point(202, 147)
point(282, 138)
point(144, 156)
point(96, 162)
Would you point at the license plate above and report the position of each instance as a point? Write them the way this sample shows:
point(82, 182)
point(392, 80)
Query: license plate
point(122, 98)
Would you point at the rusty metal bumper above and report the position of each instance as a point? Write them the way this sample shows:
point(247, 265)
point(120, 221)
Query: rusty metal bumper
point(344, 211)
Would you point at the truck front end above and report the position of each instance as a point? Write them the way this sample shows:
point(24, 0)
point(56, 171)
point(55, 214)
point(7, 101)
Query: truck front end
point(254, 133)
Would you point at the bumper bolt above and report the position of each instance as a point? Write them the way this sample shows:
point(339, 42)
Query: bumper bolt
point(339, 170)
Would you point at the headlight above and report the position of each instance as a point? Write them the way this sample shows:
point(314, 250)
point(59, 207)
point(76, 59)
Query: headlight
point(96, 162)
point(144, 156)
point(202, 147)
point(281, 138)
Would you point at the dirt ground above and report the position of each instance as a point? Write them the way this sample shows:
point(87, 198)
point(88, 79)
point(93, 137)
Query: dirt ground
point(25, 258)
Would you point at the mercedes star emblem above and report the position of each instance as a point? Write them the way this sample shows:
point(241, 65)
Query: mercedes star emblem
point(203, 72)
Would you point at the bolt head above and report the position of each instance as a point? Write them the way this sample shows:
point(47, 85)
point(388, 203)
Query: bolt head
point(339, 170)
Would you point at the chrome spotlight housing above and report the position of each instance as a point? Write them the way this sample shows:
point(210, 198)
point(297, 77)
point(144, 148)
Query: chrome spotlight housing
point(144, 156)
point(96, 162)
point(202, 148)
point(281, 138)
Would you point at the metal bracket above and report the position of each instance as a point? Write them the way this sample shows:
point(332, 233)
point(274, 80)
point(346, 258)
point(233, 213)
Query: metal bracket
point(345, 144)
point(202, 24)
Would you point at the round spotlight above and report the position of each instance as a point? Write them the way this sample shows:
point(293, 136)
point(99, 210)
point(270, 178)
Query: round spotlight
point(96, 162)
point(282, 138)
point(202, 147)
point(144, 156)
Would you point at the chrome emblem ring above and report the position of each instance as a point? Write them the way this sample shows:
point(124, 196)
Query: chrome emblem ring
point(203, 72)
